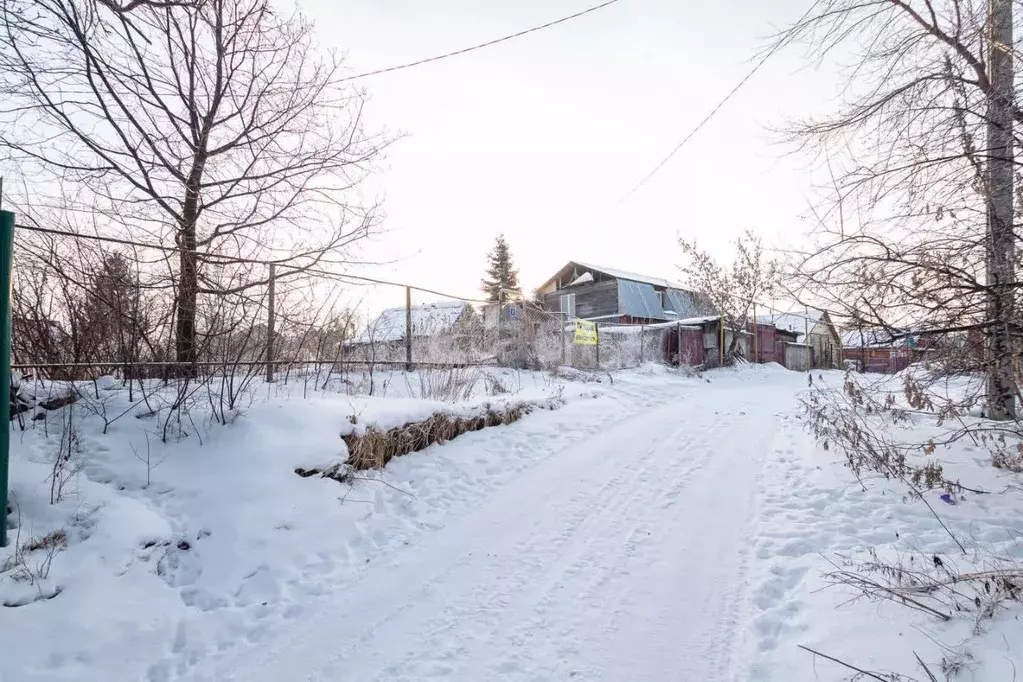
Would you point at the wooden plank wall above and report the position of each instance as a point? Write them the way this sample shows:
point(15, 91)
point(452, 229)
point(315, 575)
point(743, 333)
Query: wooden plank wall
point(591, 300)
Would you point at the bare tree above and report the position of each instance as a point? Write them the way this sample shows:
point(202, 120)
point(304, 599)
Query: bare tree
point(914, 234)
point(904, 229)
point(733, 291)
point(214, 126)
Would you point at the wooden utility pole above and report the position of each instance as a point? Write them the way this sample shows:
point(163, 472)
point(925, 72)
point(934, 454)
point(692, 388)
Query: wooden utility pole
point(721, 341)
point(6, 265)
point(408, 329)
point(755, 334)
point(1001, 380)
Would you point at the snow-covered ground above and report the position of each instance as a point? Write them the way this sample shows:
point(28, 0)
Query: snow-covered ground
point(661, 527)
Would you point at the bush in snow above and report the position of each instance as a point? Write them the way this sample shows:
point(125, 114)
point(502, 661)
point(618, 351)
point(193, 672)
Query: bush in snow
point(898, 428)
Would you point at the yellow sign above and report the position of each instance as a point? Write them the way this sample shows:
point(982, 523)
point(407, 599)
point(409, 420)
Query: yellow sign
point(585, 333)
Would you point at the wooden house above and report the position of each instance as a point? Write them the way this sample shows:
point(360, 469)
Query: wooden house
point(591, 292)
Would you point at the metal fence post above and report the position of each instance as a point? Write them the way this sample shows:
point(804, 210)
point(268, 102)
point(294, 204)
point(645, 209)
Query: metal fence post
point(271, 321)
point(721, 340)
point(6, 255)
point(642, 338)
point(408, 329)
point(563, 322)
point(596, 332)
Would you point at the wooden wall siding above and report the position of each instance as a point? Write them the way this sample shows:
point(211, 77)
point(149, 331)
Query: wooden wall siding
point(768, 348)
point(823, 351)
point(797, 357)
point(888, 360)
point(591, 300)
point(568, 274)
point(691, 350)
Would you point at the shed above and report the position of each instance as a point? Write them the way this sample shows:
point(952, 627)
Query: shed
point(814, 328)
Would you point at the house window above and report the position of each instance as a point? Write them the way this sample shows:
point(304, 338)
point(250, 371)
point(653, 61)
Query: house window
point(568, 304)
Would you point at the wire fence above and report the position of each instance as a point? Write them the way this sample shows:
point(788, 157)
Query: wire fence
point(86, 305)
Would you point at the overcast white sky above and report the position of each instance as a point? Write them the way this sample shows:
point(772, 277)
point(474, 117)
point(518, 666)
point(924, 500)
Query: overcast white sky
point(540, 137)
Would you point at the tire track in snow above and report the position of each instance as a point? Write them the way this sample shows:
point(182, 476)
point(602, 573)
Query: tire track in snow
point(591, 564)
point(569, 484)
point(389, 528)
point(580, 566)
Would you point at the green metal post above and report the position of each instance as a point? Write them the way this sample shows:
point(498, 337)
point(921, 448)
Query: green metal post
point(6, 256)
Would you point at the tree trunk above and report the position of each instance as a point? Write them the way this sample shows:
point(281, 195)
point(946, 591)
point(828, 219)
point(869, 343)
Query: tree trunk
point(188, 282)
point(1001, 380)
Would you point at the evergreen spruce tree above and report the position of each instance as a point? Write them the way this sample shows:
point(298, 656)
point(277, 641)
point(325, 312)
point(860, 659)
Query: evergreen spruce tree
point(500, 273)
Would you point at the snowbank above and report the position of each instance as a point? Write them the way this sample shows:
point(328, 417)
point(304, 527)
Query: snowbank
point(161, 545)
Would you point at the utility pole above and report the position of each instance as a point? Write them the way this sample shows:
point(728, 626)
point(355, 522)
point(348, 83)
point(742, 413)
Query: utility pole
point(1001, 380)
point(6, 259)
point(408, 329)
point(756, 357)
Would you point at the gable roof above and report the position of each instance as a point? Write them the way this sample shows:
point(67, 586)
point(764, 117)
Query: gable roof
point(427, 319)
point(617, 274)
point(797, 322)
point(631, 276)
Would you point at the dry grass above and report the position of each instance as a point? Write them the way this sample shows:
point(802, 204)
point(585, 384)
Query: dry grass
point(375, 448)
point(56, 539)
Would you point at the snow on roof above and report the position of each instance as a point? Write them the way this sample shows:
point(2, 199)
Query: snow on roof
point(871, 338)
point(625, 274)
point(697, 321)
point(799, 322)
point(584, 278)
point(427, 319)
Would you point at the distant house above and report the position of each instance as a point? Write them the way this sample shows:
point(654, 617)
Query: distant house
point(448, 331)
point(885, 350)
point(516, 315)
point(812, 328)
point(428, 320)
point(592, 292)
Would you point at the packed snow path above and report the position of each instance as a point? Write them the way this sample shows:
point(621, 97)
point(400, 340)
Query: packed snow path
point(663, 528)
point(623, 556)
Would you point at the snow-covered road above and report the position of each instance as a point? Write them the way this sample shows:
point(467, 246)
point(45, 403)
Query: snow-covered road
point(659, 528)
point(623, 556)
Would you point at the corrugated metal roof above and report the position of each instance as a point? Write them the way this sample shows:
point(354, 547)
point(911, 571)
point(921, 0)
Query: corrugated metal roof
point(632, 276)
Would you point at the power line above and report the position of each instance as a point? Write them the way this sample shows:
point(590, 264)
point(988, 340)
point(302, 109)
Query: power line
point(482, 45)
point(341, 277)
point(96, 237)
point(226, 260)
point(731, 93)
